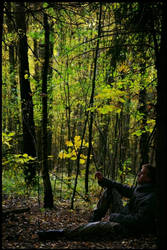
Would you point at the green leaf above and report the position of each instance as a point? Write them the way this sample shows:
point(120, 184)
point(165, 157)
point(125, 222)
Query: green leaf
point(45, 5)
point(138, 132)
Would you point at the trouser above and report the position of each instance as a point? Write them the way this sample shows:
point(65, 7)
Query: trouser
point(98, 230)
point(110, 200)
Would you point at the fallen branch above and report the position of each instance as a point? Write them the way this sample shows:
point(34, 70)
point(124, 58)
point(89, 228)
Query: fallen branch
point(15, 211)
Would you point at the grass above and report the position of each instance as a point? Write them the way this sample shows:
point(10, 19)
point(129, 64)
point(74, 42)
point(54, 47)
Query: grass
point(13, 184)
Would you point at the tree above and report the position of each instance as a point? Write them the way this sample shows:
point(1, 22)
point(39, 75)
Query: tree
point(29, 140)
point(48, 196)
point(13, 117)
point(161, 136)
point(1, 31)
point(92, 101)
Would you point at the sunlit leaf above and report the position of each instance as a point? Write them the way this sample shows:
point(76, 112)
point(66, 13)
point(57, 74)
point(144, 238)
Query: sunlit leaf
point(69, 143)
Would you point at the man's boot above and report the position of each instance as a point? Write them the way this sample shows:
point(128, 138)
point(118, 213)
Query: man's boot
point(51, 234)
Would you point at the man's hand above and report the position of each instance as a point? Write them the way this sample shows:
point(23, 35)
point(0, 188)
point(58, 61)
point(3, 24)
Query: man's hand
point(99, 176)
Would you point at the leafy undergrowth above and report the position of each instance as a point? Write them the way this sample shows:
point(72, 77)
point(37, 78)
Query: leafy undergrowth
point(19, 230)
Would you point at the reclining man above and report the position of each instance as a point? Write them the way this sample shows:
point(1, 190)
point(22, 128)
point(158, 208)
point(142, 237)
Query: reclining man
point(138, 215)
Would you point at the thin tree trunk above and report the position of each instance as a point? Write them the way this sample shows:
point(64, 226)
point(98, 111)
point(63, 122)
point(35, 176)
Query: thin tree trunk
point(102, 145)
point(78, 163)
point(48, 196)
point(115, 149)
point(143, 139)
point(91, 105)
point(68, 115)
point(79, 152)
point(144, 149)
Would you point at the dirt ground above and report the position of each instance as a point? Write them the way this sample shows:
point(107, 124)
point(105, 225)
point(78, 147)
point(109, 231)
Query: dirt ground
point(19, 229)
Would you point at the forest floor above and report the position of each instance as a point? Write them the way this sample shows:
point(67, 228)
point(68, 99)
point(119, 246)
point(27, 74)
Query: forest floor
point(19, 229)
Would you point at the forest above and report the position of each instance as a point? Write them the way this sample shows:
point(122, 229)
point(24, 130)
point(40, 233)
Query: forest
point(83, 90)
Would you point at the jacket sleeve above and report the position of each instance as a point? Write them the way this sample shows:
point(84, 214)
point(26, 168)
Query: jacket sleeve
point(143, 217)
point(123, 189)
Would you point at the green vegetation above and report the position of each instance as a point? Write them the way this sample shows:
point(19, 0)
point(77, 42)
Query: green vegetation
point(79, 94)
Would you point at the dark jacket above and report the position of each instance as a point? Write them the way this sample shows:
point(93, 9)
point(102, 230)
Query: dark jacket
point(139, 212)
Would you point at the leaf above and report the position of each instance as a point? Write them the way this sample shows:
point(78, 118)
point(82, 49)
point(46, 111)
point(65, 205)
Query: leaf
point(11, 134)
point(109, 108)
point(61, 155)
point(69, 143)
point(45, 5)
point(26, 76)
point(73, 158)
point(151, 122)
point(138, 132)
point(92, 109)
point(77, 141)
point(83, 156)
point(82, 161)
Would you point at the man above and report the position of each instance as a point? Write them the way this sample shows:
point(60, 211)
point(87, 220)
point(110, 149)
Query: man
point(138, 215)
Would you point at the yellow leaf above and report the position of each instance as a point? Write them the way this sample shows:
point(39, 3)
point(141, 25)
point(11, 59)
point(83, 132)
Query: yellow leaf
point(83, 156)
point(69, 143)
point(26, 76)
point(77, 139)
point(82, 161)
point(61, 155)
point(118, 111)
point(86, 144)
point(73, 158)
point(77, 142)
point(74, 153)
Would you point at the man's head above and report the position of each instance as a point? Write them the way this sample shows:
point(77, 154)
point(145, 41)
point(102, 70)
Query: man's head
point(146, 174)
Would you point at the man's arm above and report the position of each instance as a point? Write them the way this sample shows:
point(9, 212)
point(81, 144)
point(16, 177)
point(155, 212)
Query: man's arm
point(123, 189)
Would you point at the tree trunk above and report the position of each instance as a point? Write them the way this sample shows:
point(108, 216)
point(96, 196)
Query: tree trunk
point(115, 150)
point(68, 115)
point(26, 97)
point(48, 196)
point(91, 105)
point(144, 137)
point(102, 150)
point(1, 30)
point(161, 135)
point(144, 147)
point(13, 114)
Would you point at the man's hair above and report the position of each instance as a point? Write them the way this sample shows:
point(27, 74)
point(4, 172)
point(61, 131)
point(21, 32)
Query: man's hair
point(151, 172)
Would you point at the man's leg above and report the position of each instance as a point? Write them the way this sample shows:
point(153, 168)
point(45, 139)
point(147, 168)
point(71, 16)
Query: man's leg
point(89, 232)
point(117, 203)
point(110, 199)
point(95, 231)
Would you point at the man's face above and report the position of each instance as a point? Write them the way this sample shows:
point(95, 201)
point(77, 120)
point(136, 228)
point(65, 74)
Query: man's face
point(143, 177)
